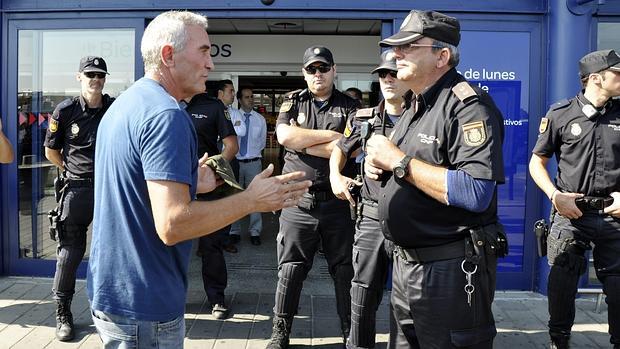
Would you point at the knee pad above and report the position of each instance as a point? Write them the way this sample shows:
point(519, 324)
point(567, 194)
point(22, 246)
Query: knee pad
point(363, 314)
point(290, 282)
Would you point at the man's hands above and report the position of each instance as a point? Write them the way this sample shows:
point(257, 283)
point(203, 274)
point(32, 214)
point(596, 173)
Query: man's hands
point(340, 186)
point(274, 193)
point(207, 179)
point(614, 208)
point(564, 203)
point(381, 155)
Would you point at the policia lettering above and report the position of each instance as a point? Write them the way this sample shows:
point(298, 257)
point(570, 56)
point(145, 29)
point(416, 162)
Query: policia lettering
point(70, 145)
point(579, 131)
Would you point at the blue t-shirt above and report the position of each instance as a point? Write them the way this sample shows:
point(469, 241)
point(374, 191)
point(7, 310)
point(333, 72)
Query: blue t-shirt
point(144, 135)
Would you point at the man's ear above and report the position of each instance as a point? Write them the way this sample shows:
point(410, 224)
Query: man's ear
point(443, 58)
point(167, 55)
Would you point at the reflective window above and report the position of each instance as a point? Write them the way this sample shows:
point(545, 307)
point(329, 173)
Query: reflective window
point(48, 62)
point(608, 36)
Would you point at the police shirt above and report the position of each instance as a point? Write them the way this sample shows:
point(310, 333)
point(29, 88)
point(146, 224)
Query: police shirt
point(211, 120)
point(332, 115)
point(458, 129)
point(587, 149)
point(352, 141)
point(73, 129)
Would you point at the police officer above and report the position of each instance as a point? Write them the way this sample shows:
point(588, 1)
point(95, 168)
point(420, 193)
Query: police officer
point(440, 205)
point(70, 145)
point(310, 123)
point(584, 135)
point(370, 264)
point(212, 123)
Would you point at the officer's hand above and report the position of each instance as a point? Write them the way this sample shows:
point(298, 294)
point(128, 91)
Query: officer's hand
point(293, 122)
point(372, 172)
point(275, 193)
point(208, 180)
point(564, 203)
point(340, 186)
point(614, 208)
point(381, 153)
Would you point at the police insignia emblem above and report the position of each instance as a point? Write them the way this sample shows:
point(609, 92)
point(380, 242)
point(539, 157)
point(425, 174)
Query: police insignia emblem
point(96, 62)
point(348, 130)
point(301, 118)
point(474, 133)
point(317, 51)
point(544, 122)
point(575, 129)
point(53, 125)
point(286, 106)
point(75, 129)
point(227, 115)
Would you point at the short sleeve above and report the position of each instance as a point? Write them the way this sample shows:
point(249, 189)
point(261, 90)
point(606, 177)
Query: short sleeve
point(166, 149)
point(475, 141)
point(225, 126)
point(54, 136)
point(547, 139)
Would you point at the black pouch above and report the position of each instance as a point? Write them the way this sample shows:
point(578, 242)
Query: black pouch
point(55, 224)
point(59, 184)
point(307, 202)
point(541, 230)
point(494, 240)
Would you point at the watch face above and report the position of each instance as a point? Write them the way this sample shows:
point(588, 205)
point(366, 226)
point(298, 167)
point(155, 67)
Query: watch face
point(399, 172)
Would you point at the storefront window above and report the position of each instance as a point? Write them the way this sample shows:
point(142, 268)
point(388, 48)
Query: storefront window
point(48, 62)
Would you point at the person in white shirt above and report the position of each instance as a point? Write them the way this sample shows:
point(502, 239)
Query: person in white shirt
point(249, 157)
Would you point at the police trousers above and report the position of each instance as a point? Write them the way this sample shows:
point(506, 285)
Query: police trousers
point(77, 213)
point(301, 230)
point(566, 245)
point(370, 266)
point(431, 307)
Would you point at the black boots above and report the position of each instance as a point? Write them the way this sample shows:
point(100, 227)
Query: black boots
point(560, 342)
point(280, 333)
point(64, 321)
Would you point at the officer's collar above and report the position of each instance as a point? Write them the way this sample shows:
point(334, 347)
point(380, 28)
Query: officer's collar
point(428, 97)
point(329, 100)
point(84, 105)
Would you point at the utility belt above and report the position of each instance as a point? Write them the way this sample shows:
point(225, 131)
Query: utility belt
point(486, 240)
point(248, 160)
point(368, 208)
point(593, 203)
point(311, 199)
point(79, 182)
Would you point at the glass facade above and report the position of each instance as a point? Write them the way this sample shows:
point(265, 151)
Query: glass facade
point(48, 62)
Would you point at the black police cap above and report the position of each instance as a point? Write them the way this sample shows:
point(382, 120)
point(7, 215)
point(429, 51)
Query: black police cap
point(388, 61)
point(315, 54)
point(93, 64)
point(430, 24)
point(597, 61)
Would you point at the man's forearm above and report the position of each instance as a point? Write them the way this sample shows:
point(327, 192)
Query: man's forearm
point(6, 150)
point(298, 138)
point(337, 160)
point(540, 175)
point(428, 178)
point(323, 150)
point(55, 157)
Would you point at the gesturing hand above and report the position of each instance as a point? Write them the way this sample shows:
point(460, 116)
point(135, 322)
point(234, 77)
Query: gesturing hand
point(274, 193)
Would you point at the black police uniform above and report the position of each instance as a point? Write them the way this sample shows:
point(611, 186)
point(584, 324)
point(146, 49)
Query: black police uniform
point(370, 258)
point(458, 128)
point(212, 122)
point(73, 130)
point(319, 216)
point(588, 153)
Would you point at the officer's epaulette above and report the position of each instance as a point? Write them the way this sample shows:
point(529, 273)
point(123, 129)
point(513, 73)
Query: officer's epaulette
point(560, 104)
point(66, 103)
point(365, 113)
point(465, 92)
point(290, 100)
point(293, 94)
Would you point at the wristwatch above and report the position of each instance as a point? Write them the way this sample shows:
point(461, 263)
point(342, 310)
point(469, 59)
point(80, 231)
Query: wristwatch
point(401, 170)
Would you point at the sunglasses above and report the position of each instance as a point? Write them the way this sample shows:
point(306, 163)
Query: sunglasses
point(323, 68)
point(91, 75)
point(384, 73)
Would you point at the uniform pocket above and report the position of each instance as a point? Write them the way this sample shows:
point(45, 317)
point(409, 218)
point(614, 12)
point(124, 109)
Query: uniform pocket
point(472, 336)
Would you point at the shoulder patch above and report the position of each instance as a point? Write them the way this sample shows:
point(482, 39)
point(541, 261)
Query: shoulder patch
point(286, 106)
point(560, 104)
point(475, 133)
point(227, 114)
point(464, 92)
point(292, 94)
point(544, 122)
point(365, 113)
point(53, 125)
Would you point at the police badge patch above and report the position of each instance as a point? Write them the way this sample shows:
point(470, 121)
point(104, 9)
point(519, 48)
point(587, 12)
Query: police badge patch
point(348, 129)
point(75, 129)
point(474, 133)
point(301, 118)
point(53, 125)
point(286, 106)
point(544, 122)
point(227, 114)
